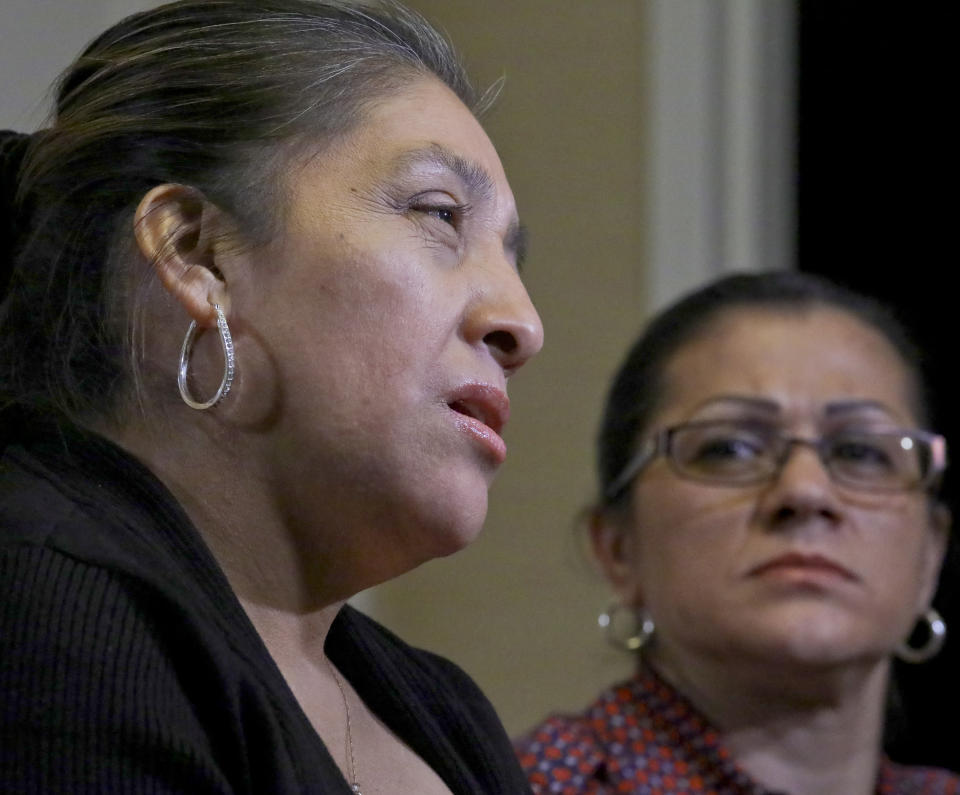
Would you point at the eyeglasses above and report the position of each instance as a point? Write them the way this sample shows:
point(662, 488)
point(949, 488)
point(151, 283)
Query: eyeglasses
point(736, 453)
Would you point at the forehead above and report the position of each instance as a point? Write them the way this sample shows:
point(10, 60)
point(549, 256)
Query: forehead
point(422, 129)
point(801, 360)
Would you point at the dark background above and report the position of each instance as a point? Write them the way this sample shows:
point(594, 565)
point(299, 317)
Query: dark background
point(877, 211)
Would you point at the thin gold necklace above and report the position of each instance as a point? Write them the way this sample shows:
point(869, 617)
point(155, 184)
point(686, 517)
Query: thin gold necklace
point(354, 786)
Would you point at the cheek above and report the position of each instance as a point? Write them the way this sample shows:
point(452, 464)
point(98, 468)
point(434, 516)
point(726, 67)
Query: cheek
point(895, 548)
point(361, 309)
point(689, 537)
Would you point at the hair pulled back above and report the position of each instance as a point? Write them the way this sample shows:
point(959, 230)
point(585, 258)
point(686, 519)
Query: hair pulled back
point(638, 387)
point(214, 94)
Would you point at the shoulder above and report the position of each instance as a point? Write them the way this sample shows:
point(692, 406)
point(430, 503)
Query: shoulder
point(569, 752)
point(89, 673)
point(115, 662)
point(637, 736)
point(116, 682)
point(62, 500)
point(89, 502)
point(31, 505)
point(913, 780)
point(75, 624)
point(51, 575)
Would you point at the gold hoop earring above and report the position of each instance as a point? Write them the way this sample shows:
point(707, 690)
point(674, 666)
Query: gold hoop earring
point(936, 635)
point(636, 637)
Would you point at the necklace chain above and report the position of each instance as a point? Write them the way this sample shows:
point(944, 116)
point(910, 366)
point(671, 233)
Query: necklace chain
point(354, 786)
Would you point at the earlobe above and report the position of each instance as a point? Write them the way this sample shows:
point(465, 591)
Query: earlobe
point(172, 229)
point(614, 547)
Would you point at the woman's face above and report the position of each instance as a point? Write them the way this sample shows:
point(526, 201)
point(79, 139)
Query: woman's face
point(796, 569)
point(388, 317)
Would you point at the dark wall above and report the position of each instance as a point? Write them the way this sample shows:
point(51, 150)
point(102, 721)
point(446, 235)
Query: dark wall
point(877, 210)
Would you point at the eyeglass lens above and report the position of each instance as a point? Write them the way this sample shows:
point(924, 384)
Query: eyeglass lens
point(740, 453)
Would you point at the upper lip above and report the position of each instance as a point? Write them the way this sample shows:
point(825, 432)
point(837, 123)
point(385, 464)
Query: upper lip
point(488, 404)
point(810, 560)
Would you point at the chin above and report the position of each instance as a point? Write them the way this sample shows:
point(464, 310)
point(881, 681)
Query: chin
point(824, 639)
point(460, 534)
point(448, 523)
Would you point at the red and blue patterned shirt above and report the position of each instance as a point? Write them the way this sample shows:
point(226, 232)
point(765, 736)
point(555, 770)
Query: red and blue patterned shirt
point(643, 737)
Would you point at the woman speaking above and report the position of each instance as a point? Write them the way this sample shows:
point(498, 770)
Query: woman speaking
point(262, 303)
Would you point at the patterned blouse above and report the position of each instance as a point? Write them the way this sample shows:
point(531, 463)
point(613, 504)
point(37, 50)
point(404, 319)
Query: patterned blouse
point(643, 737)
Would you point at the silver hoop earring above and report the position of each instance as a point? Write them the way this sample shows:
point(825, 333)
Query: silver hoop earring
point(936, 635)
point(635, 637)
point(226, 343)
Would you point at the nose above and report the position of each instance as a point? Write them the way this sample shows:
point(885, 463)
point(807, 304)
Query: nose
point(802, 490)
point(503, 319)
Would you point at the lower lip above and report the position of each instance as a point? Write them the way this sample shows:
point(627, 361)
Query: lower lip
point(488, 439)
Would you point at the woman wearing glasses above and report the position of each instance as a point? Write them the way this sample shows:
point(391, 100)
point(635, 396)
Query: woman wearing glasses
point(769, 519)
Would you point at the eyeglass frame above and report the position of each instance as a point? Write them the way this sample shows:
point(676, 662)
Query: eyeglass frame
point(660, 444)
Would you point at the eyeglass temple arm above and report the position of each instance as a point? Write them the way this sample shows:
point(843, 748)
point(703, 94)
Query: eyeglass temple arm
point(938, 456)
point(637, 462)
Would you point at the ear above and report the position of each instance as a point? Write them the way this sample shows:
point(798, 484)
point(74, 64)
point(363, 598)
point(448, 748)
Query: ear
point(176, 228)
point(940, 521)
point(614, 546)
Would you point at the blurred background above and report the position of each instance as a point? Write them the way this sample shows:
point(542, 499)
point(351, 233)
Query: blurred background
point(651, 145)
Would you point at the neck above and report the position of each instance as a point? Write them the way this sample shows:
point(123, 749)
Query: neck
point(296, 643)
point(293, 639)
point(216, 475)
point(213, 473)
point(802, 729)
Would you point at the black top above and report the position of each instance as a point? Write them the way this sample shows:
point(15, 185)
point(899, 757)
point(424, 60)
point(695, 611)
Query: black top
point(128, 665)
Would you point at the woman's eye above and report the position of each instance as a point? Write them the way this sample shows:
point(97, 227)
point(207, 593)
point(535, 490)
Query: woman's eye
point(861, 453)
point(445, 214)
point(449, 214)
point(727, 448)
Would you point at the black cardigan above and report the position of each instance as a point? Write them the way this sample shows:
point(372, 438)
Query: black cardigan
point(128, 665)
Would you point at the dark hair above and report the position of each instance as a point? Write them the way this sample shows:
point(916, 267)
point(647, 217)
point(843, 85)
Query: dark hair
point(638, 387)
point(214, 94)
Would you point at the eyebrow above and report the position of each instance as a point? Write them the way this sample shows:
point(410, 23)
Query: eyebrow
point(849, 406)
point(762, 404)
point(478, 183)
point(473, 176)
point(833, 409)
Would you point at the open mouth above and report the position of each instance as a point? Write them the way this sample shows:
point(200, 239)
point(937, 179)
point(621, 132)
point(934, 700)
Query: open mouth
point(476, 413)
point(484, 404)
